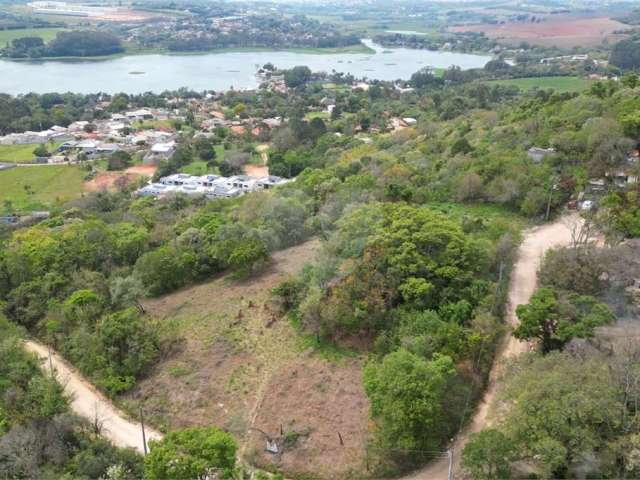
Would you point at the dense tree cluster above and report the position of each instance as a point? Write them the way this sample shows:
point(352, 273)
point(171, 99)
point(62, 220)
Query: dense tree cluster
point(466, 42)
point(39, 437)
point(269, 31)
point(192, 453)
point(571, 409)
point(77, 43)
point(626, 54)
point(74, 315)
point(35, 112)
point(421, 288)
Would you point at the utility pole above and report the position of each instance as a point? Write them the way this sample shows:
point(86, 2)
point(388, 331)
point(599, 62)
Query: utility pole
point(551, 189)
point(50, 361)
point(450, 472)
point(144, 437)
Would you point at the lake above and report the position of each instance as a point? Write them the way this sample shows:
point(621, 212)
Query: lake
point(213, 71)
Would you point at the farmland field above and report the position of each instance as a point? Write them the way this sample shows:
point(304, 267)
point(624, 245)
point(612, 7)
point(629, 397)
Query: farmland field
point(563, 31)
point(45, 33)
point(44, 185)
point(561, 84)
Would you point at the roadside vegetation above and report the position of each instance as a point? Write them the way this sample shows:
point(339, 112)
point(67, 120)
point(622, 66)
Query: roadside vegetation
point(575, 396)
point(40, 435)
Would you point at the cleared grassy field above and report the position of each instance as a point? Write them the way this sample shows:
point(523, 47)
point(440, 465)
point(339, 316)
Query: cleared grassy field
point(153, 124)
point(30, 188)
point(561, 84)
point(312, 115)
point(17, 153)
point(21, 153)
point(45, 33)
point(200, 167)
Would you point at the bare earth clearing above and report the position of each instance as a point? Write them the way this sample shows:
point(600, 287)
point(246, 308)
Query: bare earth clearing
point(110, 180)
point(262, 170)
point(89, 403)
point(522, 285)
point(239, 365)
point(563, 31)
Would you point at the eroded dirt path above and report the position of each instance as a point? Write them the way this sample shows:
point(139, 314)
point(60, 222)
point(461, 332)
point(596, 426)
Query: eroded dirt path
point(88, 402)
point(522, 284)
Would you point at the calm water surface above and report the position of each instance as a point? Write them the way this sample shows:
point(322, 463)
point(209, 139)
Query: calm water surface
point(215, 71)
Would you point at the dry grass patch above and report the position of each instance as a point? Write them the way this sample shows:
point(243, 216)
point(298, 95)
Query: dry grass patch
point(233, 368)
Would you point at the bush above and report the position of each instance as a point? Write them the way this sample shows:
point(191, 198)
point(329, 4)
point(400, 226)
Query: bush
point(407, 396)
point(165, 269)
point(191, 453)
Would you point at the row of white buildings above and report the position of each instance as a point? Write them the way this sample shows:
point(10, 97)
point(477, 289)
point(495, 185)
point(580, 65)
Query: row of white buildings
point(209, 186)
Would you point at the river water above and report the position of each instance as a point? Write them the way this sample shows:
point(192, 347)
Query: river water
point(213, 71)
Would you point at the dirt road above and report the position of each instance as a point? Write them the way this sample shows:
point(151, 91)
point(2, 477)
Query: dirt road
point(86, 402)
point(523, 282)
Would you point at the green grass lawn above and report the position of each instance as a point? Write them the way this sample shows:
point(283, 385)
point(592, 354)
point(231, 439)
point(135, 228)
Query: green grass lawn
point(561, 84)
point(21, 153)
point(312, 115)
point(199, 167)
point(335, 86)
point(48, 184)
point(45, 33)
point(153, 124)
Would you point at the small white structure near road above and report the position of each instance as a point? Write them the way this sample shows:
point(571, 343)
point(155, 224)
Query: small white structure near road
point(538, 154)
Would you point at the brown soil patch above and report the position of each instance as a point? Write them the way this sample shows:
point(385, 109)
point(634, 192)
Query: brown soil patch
point(125, 15)
point(233, 368)
point(560, 31)
point(143, 170)
point(111, 180)
point(256, 171)
point(318, 401)
point(108, 181)
point(200, 299)
point(259, 171)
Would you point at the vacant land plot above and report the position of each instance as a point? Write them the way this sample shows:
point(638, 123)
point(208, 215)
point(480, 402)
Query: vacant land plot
point(320, 115)
point(316, 403)
point(113, 180)
point(200, 167)
point(36, 187)
point(559, 31)
point(21, 153)
point(45, 33)
point(561, 84)
point(240, 365)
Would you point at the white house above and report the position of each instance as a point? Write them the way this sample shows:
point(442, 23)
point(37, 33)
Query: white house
point(142, 114)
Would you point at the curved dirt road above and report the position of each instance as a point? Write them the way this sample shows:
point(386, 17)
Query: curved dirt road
point(522, 284)
point(86, 402)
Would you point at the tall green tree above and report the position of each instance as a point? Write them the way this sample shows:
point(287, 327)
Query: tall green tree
point(488, 455)
point(407, 395)
point(554, 318)
point(193, 453)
